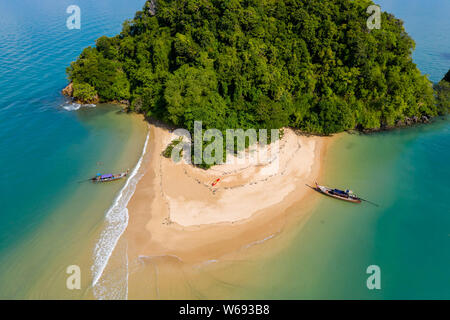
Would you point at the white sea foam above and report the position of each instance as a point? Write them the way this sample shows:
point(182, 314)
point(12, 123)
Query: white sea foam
point(116, 223)
point(69, 106)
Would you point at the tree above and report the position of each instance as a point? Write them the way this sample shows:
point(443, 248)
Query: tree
point(84, 92)
point(312, 65)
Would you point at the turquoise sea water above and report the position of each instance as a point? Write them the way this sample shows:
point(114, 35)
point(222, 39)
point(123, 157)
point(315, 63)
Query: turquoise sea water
point(407, 173)
point(47, 221)
point(46, 149)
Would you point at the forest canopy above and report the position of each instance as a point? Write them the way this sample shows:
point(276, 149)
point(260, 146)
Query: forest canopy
point(312, 65)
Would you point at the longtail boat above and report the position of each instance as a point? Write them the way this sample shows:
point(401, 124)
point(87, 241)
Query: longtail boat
point(109, 177)
point(346, 195)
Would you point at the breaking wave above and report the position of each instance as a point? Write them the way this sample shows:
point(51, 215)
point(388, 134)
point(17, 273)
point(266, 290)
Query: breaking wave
point(116, 220)
point(69, 106)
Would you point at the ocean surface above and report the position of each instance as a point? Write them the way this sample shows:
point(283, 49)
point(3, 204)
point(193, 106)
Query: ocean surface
point(428, 24)
point(406, 172)
point(49, 221)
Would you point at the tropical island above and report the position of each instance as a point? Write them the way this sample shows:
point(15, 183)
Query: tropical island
point(304, 66)
point(311, 65)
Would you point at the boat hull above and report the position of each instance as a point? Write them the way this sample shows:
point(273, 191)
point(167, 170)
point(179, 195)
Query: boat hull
point(107, 180)
point(328, 192)
point(111, 179)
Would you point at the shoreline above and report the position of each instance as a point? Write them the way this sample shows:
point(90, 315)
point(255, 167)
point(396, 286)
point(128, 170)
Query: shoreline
point(175, 218)
point(68, 232)
point(406, 122)
point(116, 218)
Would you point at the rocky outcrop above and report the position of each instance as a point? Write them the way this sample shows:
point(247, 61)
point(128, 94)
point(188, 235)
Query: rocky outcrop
point(405, 122)
point(94, 100)
point(410, 121)
point(68, 91)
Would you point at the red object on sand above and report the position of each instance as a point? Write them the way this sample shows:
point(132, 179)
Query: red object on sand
point(215, 182)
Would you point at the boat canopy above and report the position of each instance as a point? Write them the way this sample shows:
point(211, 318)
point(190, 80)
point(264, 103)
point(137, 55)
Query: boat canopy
point(106, 176)
point(339, 191)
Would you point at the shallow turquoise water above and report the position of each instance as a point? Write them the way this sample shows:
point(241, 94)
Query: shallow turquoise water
point(407, 173)
point(46, 149)
point(408, 236)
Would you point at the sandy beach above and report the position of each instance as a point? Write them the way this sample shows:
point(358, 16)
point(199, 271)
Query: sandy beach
point(176, 212)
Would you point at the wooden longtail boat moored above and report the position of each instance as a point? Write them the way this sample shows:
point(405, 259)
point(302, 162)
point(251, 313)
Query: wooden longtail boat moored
point(109, 177)
point(347, 195)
